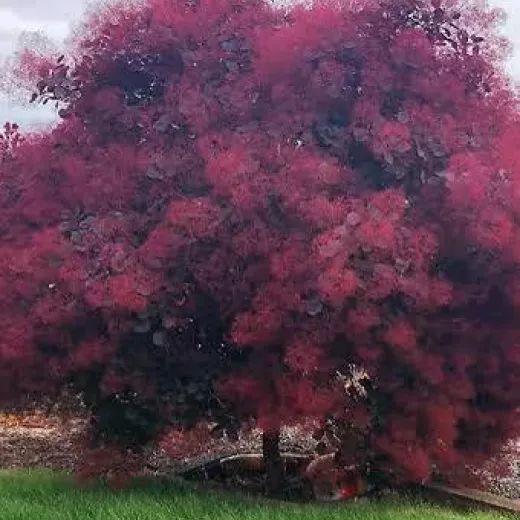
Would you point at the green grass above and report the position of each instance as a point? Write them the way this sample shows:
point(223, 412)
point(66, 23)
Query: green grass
point(43, 495)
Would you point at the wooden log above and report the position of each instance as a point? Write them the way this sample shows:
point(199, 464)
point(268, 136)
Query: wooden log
point(471, 498)
point(243, 463)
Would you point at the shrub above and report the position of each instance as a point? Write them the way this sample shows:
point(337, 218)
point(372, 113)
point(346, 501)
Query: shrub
point(244, 207)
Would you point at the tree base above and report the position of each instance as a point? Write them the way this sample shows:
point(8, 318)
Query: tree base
point(247, 473)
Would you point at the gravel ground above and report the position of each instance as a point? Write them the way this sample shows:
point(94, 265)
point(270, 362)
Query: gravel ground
point(50, 443)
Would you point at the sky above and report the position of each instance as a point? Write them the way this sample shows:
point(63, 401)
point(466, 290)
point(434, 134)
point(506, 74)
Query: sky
point(54, 19)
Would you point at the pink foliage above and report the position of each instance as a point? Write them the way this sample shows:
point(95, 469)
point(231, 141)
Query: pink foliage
point(259, 199)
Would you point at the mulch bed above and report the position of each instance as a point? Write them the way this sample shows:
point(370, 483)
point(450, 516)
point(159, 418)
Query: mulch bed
point(41, 441)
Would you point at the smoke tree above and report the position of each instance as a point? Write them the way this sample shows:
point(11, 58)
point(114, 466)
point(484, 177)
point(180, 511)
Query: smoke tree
point(273, 215)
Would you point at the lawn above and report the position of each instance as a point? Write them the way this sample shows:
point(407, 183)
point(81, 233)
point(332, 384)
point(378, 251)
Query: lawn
point(49, 496)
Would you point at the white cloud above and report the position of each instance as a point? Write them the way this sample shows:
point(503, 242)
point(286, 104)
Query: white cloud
point(50, 10)
point(12, 24)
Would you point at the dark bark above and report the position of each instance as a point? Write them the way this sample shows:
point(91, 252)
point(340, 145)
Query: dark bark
point(274, 465)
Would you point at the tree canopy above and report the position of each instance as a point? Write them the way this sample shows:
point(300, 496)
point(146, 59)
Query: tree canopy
point(250, 213)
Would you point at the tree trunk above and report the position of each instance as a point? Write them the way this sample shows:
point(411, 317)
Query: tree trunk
point(274, 465)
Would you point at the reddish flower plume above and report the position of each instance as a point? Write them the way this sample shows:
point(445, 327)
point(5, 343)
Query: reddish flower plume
point(249, 213)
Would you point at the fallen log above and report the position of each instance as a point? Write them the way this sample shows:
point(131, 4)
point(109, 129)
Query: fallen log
point(250, 463)
point(470, 498)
